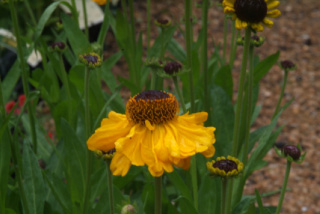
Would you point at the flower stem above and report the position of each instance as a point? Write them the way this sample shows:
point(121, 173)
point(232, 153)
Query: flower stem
point(224, 195)
point(66, 84)
point(88, 130)
point(74, 6)
point(233, 44)
point(188, 25)
point(284, 186)
point(249, 109)
point(176, 85)
point(240, 92)
point(205, 9)
point(24, 74)
point(110, 188)
point(282, 93)
point(158, 195)
point(85, 17)
point(225, 32)
point(148, 23)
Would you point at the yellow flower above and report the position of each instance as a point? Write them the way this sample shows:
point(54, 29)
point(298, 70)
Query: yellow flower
point(252, 12)
point(225, 167)
point(100, 2)
point(151, 133)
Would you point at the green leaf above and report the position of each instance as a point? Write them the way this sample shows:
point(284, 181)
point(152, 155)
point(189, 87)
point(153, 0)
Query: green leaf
point(10, 81)
point(161, 43)
point(243, 207)
point(44, 18)
point(74, 158)
point(179, 184)
point(186, 206)
point(264, 67)
point(222, 117)
point(177, 51)
point(33, 181)
point(224, 79)
point(5, 154)
point(259, 201)
point(76, 38)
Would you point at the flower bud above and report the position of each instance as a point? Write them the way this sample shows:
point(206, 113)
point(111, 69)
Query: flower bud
point(127, 209)
point(92, 60)
point(58, 46)
point(292, 151)
point(172, 68)
point(163, 23)
point(287, 65)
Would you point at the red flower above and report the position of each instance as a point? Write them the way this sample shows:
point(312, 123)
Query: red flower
point(9, 106)
point(21, 99)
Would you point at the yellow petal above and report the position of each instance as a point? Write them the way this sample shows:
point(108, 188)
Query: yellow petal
point(268, 22)
point(229, 10)
point(120, 164)
point(112, 128)
point(228, 3)
point(273, 13)
point(238, 24)
point(273, 4)
point(149, 125)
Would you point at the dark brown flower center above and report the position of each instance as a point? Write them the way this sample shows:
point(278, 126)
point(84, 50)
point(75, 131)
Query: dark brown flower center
point(172, 67)
point(155, 106)
point(226, 165)
point(163, 21)
point(59, 45)
point(287, 64)
point(252, 11)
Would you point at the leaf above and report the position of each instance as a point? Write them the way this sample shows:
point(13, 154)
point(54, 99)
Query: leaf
point(243, 206)
point(176, 50)
point(222, 117)
point(10, 81)
point(224, 79)
point(186, 206)
point(76, 38)
point(33, 181)
point(264, 67)
point(74, 158)
point(259, 201)
point(44, 18)
point(161, 42)
point(179, 184)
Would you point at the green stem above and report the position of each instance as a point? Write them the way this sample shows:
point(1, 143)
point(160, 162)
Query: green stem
point(158, 195)
point(148, 23)
point(224, 195)
point(233, 44)
point(225, 32)
point(249, 107)
point(188, 26)
point(110, 188)
point(66, 84)
point(205, 9)
point(33, 19)
point(24, 66)
point(88, 132)
point(133, 40)
point(85, 16)
point(176, 85)
point(281, 95)
point(284, 186)
point(74, 6)
point(104, 27)
point(240, 92)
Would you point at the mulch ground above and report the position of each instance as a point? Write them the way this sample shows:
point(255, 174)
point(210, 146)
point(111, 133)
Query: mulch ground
point(296, 34)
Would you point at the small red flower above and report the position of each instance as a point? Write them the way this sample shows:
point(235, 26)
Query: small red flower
point(9, 106)
point(22, 100)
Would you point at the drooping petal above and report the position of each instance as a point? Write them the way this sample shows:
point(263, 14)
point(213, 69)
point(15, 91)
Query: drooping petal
point(273, 13)
point(268, 22)
point(273, 4)
point(112, 128)
point(120, 164)
point(229, 10)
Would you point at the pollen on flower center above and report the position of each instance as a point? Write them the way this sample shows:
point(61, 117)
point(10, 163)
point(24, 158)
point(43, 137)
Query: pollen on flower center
point(155, 106)
point(252, 11)
point(226, 165)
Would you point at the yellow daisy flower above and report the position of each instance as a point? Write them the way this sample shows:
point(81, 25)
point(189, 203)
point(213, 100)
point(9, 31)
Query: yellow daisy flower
point(100, 2)
point(225, 167)
point(151, 133)
point(252, 12)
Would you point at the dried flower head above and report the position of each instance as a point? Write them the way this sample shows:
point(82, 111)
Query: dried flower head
point(58, 46)
point(163, 23)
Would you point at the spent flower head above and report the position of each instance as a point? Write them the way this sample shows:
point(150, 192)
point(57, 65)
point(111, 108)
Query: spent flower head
point(105, 155)
point(58, 46)
point(255, 40)
point(163, 23)
point(225, 167)
point(92, 60)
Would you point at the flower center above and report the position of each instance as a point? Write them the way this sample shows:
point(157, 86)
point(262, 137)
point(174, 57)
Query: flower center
point(226, 165)
point(91, 58)
point(252, 11)
point(155, 106)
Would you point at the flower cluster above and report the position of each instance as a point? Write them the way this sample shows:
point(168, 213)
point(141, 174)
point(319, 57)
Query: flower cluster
point(11, 104)
point(151, 133)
